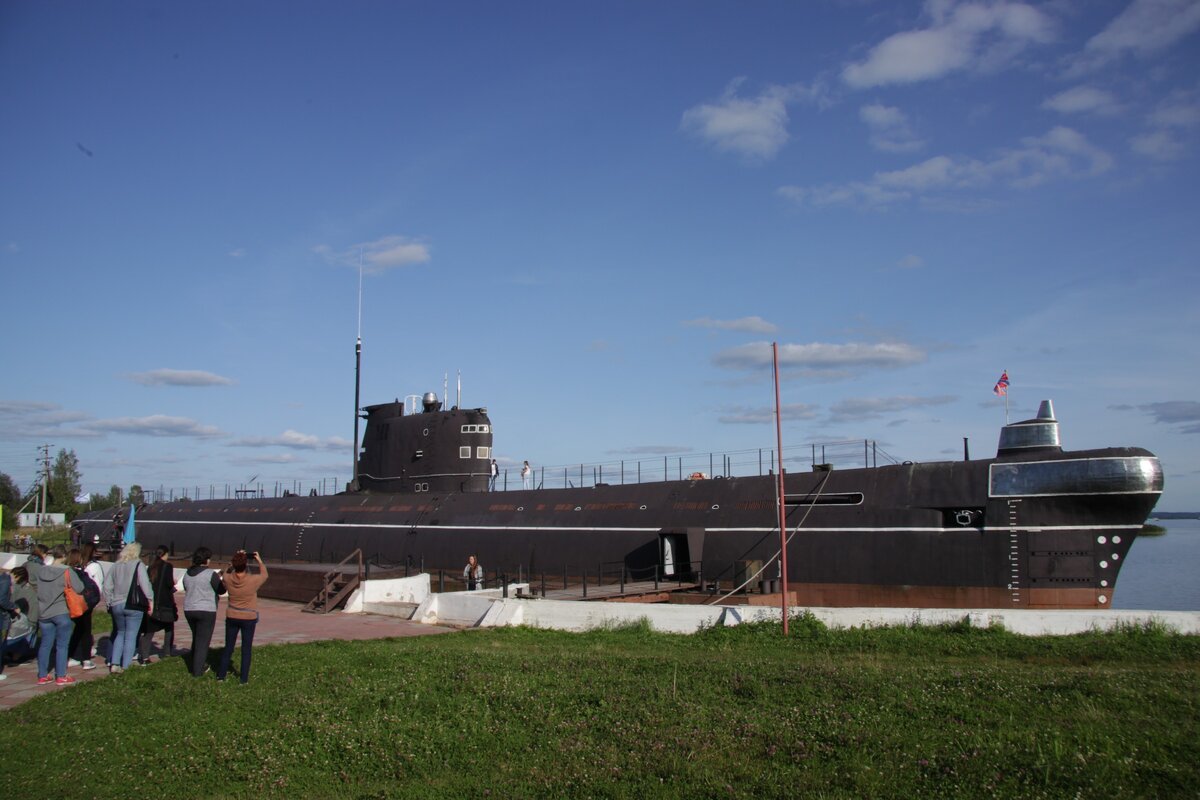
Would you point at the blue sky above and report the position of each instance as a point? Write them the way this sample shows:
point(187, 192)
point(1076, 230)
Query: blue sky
point(600, 213)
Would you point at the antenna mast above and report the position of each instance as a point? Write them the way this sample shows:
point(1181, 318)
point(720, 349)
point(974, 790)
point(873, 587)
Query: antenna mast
point(357, 378)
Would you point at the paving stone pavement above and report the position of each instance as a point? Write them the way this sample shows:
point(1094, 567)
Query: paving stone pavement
point(280, 622)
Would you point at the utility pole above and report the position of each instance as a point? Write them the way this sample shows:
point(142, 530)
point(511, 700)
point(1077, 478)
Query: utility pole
point(45, 481)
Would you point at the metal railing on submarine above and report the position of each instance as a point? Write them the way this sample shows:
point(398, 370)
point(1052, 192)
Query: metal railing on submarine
point(735, 463)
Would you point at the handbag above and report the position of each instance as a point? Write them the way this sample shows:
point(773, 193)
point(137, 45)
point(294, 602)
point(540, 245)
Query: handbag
point(76, 605)
point(136, 600)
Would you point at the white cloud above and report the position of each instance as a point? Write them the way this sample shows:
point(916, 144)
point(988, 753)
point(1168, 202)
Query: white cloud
point(379, 255)
point(1060, 153)
point(1144, 28)
point(1172, 117)
point(911, 261)
point(1081, 100)
point(154, 425)
point(820, 358)
point(180, 377)
point(743, 415)
point(960, 36)
point(891, 131)
point(860, 408)
point(239, 252)
point(753, 127)
point(744, 324)
point(1160, 145)
point(295, 441)
point(1180, 111)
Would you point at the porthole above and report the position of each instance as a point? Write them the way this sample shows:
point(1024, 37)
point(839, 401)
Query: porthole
point(643, 508)
point(1102, 540)
point(577, 508)
point(425, 432)
point(1116, 556)
point(1116, 540)
point(1104, 583)
point(715, 507)
point(1103, 599)
point(520, 508)
point(1103, 565)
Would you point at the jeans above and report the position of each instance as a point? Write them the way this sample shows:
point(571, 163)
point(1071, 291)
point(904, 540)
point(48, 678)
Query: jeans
point(56, 636)
point(202, 624)
point(126, 624)
point(232, 626)
point(5, 621)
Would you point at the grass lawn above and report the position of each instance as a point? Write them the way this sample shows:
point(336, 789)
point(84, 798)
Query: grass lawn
point(737, 712)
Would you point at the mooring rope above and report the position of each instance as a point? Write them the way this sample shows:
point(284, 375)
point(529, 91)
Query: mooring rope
point(779, 552)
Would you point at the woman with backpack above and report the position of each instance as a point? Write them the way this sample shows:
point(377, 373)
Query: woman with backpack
point(127, 592)
point(81, 637)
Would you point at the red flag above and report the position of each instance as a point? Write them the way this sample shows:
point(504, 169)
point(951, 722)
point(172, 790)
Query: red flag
point(1001, 387)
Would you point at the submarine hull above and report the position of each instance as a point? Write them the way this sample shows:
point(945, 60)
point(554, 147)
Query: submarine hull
point(1039, 531)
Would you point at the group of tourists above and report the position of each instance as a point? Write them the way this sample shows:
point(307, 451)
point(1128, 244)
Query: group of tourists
point(46, 607)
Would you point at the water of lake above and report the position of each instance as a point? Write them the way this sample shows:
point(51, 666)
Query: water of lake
point(1162, 573)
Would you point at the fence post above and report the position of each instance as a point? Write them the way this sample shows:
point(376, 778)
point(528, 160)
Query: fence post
point(585, 582)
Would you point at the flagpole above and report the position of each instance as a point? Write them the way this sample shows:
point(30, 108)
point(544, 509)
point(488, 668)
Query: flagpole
point(1006, 399)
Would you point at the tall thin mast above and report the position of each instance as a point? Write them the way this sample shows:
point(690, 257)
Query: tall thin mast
point(782, 507)
point(357, 377)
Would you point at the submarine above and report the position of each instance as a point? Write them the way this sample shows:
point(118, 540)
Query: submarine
point(1035, 526)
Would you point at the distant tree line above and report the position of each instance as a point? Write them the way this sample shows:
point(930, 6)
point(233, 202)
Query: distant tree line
point(64, 485)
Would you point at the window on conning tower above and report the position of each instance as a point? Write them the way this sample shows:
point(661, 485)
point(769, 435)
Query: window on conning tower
point(464, 452)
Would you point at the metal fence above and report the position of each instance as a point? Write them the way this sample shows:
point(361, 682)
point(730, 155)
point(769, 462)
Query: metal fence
point(729, 464)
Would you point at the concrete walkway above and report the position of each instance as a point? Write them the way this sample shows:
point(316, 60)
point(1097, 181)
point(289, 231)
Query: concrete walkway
point(281, 622)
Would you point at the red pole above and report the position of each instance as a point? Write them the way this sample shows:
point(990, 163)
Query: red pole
point(783, 569)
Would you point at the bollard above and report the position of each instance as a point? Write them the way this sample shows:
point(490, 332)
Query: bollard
point(585, 583)
point(543, 584)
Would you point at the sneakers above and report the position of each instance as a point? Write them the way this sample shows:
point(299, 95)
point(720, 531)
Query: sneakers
point(3, 677)
point(65, 680)
point(74, 662)
point(89, 665)
point(113, 669)
point(45, 680)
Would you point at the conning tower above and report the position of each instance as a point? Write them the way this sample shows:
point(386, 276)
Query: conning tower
point(425, 450)
point(1037, 435)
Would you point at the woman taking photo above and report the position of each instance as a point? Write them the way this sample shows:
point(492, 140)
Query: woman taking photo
point(241, 614)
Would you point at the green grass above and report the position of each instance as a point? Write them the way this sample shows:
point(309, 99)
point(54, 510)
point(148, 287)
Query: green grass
point(734, 712)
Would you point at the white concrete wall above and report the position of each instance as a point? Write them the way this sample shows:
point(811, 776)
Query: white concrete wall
point(490, 609)
point(392, 590)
